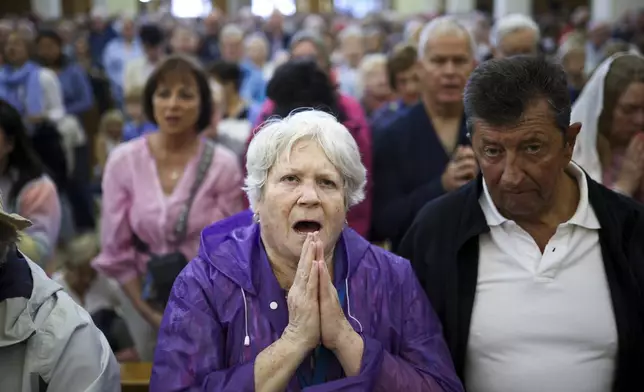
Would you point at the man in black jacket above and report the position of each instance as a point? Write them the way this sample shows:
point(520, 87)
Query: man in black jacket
point(536, 271)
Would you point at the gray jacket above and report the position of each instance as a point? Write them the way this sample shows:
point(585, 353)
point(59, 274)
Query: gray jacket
point(48, 342)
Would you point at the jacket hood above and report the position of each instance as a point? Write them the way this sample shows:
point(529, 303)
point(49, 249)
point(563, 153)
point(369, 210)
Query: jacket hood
point(229, 245)
point(24, 289)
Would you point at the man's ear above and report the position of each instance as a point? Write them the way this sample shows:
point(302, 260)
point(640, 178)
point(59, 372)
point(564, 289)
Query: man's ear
point(570, 137)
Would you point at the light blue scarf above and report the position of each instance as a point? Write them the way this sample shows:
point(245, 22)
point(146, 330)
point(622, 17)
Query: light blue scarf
point(21, 88)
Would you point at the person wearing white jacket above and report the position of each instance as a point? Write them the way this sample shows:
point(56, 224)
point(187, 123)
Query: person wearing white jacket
point(47, 342)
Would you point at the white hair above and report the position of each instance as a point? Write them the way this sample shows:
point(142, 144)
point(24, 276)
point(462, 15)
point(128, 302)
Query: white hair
point(369, 63)
point(443, 25)
point(411, 28)
point(314, 23)
point(352, 31)
point(256, 38)
point(569, 47)
point(278, 136)
point(232, 31)
point(510, 24)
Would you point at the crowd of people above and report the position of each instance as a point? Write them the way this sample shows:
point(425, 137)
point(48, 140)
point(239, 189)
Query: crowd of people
point(429, 203)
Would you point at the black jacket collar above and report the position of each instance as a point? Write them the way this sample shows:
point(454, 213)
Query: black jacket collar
point(16, 280)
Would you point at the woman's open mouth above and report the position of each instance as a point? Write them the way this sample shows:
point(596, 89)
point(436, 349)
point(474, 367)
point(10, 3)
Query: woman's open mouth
point(307, 226)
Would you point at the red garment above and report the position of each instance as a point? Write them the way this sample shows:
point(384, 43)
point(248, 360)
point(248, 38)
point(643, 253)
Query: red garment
point(359, 217)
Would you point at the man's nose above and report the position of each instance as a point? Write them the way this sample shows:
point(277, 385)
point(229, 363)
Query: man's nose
point(450, 67)
point(513, 174)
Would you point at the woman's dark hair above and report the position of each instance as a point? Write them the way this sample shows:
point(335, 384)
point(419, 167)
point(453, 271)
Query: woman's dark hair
point(301, 83)
point(151, 35)
point(400, 60)
point(180, 65)
point(22, 158)
point(226, 72)
point(54, 36)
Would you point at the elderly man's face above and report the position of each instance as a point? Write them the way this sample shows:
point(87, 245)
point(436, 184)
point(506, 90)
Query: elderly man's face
point(353, 50)
point(16, 50)
point(523, 164)
point(519, 42)
point(301, 195)
point(257, 52)
point(129, 29)
point(445, 67)
point(232, 49)
point(184, 42)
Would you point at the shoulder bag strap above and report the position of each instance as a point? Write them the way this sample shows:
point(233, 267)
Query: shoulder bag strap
point(202, 169)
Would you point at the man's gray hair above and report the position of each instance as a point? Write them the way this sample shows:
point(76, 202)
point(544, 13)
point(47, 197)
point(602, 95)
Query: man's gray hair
point(233, 31)
point(256, 38)
point(510, 24)
point(443, 25)
point(278, 136)
point(353, 31)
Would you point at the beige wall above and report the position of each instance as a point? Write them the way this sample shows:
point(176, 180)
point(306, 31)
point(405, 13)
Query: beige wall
point(416, 6)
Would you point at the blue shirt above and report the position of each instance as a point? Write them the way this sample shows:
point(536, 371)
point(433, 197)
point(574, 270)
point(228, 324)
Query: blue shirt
point(116, 55)
point(77, 90)
point(253, 86)
point(386, 115)
point(98, 42)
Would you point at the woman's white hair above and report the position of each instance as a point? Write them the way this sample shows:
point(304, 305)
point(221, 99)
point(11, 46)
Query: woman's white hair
point(231, 31)
point(278, 136)
point(569, 47)
point(441, 26)
point(510, 24)
point(256, 38)
point(353, 31)
point(369, 64)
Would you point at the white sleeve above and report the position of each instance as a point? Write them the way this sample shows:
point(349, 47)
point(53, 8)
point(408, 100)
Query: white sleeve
point(53, 104)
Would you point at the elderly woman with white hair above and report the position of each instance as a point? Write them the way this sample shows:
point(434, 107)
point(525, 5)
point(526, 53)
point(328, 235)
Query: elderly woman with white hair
point(257, 52)
point(374, 89)
point(288, 297)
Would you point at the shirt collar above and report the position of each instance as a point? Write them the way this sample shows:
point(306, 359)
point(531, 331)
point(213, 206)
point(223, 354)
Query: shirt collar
point(584, 216)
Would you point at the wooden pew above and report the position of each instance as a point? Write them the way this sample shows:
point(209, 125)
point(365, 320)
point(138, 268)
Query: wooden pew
point(135, 376)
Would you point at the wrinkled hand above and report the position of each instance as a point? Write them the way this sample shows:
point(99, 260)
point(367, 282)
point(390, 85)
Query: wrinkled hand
point(334, 328)
point(630, 175)
point(460, 170)
point(303, 327)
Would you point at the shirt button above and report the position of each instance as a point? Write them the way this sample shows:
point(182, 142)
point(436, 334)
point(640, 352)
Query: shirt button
point(273, 305)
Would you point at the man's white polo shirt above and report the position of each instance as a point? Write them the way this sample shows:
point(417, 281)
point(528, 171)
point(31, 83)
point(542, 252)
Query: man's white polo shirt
point(541, 322)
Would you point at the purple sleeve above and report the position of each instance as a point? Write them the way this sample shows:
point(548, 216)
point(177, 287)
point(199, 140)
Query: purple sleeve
point(190, 353)
point(423, 363)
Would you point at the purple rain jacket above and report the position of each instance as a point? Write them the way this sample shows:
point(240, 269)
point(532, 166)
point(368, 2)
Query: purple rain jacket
point(228, 292)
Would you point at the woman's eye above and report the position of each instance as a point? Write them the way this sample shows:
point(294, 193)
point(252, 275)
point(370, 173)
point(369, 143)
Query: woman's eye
point(162, 93)
point(289, 179)
point(328, 183)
